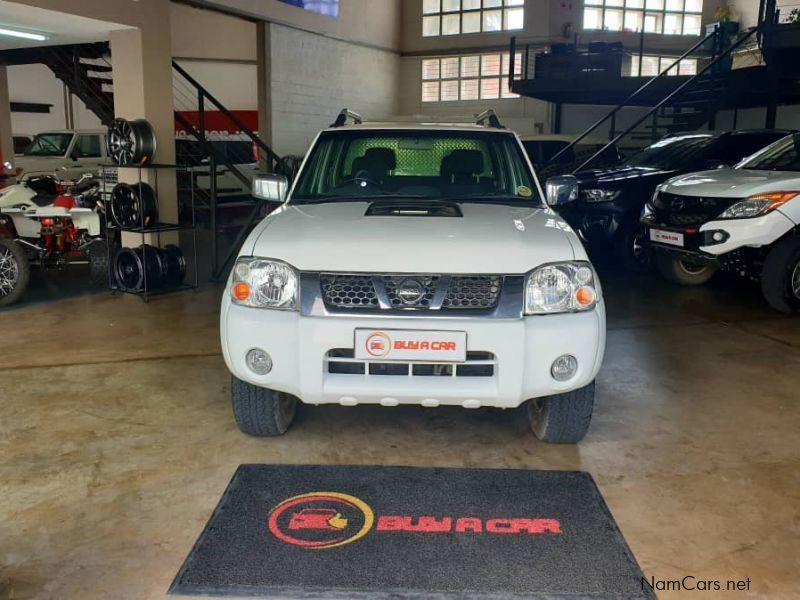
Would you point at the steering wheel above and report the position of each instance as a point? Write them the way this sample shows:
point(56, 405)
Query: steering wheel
point(363, 179)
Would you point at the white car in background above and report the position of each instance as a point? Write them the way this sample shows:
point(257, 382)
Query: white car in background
point(745, 220)
point(67, 153)
point(413, 264)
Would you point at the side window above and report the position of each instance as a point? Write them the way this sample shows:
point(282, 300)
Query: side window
point(737, 147)
point(87, 146)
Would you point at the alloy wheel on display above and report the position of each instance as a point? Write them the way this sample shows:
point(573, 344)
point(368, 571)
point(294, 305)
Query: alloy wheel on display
point(9, 271)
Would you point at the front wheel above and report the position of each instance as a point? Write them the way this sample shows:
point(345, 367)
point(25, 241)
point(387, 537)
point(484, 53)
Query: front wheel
point(562, 418)
point(632, 249)
point(682, 271)
point(15, 271)
point(259, 411)
point(780, 277)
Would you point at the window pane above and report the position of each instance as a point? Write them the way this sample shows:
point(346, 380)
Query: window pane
point(593, 2)
point(612, 20)
point(430, 68)
point(666, 61)
point(449, 90)
point(490, 64)
point(676, 5)
point(493, 20)
point(650, 66)
point(490, 88)
point(469, 89)
point(430, 26)
point(634, 3)
point(515, 2)
point(633, 20)
point(673, 23)
point(471, 22)
point(451, 24)
point(517, 64)
point(470, 4)
point(514, 18)
point(691, 25)
point(504, 91)
point(652, 23)
point(656, 4)
point(450, 68)
point(470, 66)
point(492, 3)
point(430, 91)
point(688, 66)
point(615, 3)
point(591, 18)
point(430, 6)
point(451, 5)
point(694, 6)
point(634, 71)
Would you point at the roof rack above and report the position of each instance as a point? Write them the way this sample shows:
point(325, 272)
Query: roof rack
point(344, 115)
point(491, 117)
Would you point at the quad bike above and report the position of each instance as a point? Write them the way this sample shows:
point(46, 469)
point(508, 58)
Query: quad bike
point(49, 223)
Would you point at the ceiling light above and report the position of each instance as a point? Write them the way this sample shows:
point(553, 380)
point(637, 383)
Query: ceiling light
point(23, 34)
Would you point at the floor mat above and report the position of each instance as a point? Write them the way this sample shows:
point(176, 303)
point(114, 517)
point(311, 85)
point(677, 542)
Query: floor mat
point(379, 532)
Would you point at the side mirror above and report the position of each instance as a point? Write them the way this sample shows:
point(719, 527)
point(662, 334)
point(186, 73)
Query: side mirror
point(272, 188)
point(562, 189)
point(715, 164)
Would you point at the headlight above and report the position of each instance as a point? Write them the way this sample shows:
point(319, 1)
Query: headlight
point(264, 283)
point(757, 205)
point(559, 288)
point(597, 195)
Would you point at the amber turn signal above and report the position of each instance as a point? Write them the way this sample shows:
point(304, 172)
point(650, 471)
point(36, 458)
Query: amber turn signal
point(585, 295)
point(241, 291)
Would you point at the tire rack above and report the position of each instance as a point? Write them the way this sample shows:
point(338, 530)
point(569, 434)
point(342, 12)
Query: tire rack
point(145, 293)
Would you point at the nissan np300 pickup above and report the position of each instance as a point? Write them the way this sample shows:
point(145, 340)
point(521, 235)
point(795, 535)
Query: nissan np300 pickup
point(413, 264)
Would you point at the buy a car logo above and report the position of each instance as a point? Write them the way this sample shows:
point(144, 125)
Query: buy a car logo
point(321, 520)
point(378, 344)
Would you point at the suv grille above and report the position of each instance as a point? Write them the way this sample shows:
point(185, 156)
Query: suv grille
point(688, 211)
point(410, 292)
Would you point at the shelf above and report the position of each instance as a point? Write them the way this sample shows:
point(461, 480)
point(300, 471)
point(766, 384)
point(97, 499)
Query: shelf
point(145, 294)
point(160, 228)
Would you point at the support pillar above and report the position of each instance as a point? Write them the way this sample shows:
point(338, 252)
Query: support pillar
point(6, 134)
point(264, 68)
point(142, 72)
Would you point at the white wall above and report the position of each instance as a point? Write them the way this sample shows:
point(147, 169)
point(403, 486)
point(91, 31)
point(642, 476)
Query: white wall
point(314, 77)
point(232, 83)
point(36, 83)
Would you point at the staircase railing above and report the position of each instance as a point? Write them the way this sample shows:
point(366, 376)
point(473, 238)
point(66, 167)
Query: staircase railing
point(630, 98)
point(677, 91)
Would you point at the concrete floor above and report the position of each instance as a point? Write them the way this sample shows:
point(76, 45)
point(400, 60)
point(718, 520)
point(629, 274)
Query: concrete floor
point(117, 440)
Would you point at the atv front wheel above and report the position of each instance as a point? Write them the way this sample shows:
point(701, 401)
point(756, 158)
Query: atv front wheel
point(15, 271)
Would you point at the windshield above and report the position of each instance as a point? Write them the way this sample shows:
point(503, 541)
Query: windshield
point(783, 155)
point(49, 144)
point(447, 165)
point(671, 153)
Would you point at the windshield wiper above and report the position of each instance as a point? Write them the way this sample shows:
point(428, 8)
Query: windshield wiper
point(482, 198)
point(328, 198)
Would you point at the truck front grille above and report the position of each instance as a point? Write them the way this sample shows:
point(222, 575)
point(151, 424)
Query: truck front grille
point(341, 361)
point(688, 211)
point(410, 292)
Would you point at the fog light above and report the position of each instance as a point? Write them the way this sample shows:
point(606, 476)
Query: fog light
point(259, 361)
point(564, 367)
point(718, 236)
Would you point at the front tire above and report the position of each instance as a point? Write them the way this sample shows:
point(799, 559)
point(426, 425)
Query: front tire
point(632, 249)
point(562, 418)
point(15, 271)
point(259, 411)
point(678, 270)
point(780, 277)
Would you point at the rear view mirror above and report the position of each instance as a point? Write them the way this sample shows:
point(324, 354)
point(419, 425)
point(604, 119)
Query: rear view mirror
point(562, 190)
point(272, 188)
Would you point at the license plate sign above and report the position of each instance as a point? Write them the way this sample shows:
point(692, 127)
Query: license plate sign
point(410, 345)
point(673, 238)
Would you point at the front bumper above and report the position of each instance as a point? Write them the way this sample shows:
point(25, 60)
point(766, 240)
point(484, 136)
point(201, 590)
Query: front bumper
point(713, 240)
point(523, 349)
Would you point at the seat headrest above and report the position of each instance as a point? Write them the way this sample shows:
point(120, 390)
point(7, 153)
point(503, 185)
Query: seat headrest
point(462, 162)
point(383, 159)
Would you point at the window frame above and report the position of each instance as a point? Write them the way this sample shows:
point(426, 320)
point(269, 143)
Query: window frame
point(483, 9)
point(503, 92)
point(640, 7)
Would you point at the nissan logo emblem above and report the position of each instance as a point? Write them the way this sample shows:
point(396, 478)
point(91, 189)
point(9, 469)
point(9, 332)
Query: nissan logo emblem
point(410, 291)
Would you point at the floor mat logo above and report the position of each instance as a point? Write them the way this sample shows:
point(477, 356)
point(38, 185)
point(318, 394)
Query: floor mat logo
point(321, 520)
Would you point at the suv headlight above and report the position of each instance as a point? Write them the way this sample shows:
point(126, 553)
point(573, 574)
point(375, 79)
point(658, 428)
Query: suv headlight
point(264, 283)
point(598, 195)
point(559, 288)
point(757, 205)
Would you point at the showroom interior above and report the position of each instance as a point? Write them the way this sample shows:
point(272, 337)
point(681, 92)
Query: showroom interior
point(147, 147)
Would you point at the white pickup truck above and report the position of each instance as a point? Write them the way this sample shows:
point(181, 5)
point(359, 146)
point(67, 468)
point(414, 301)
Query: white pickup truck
point(67, 153)
point(413, 264)
point(745, 220)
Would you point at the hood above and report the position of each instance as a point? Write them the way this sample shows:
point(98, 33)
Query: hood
point(486, 239)
point(732, 183)
point(620, 175)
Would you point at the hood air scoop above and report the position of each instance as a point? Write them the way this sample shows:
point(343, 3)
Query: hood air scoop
point(413, 209)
